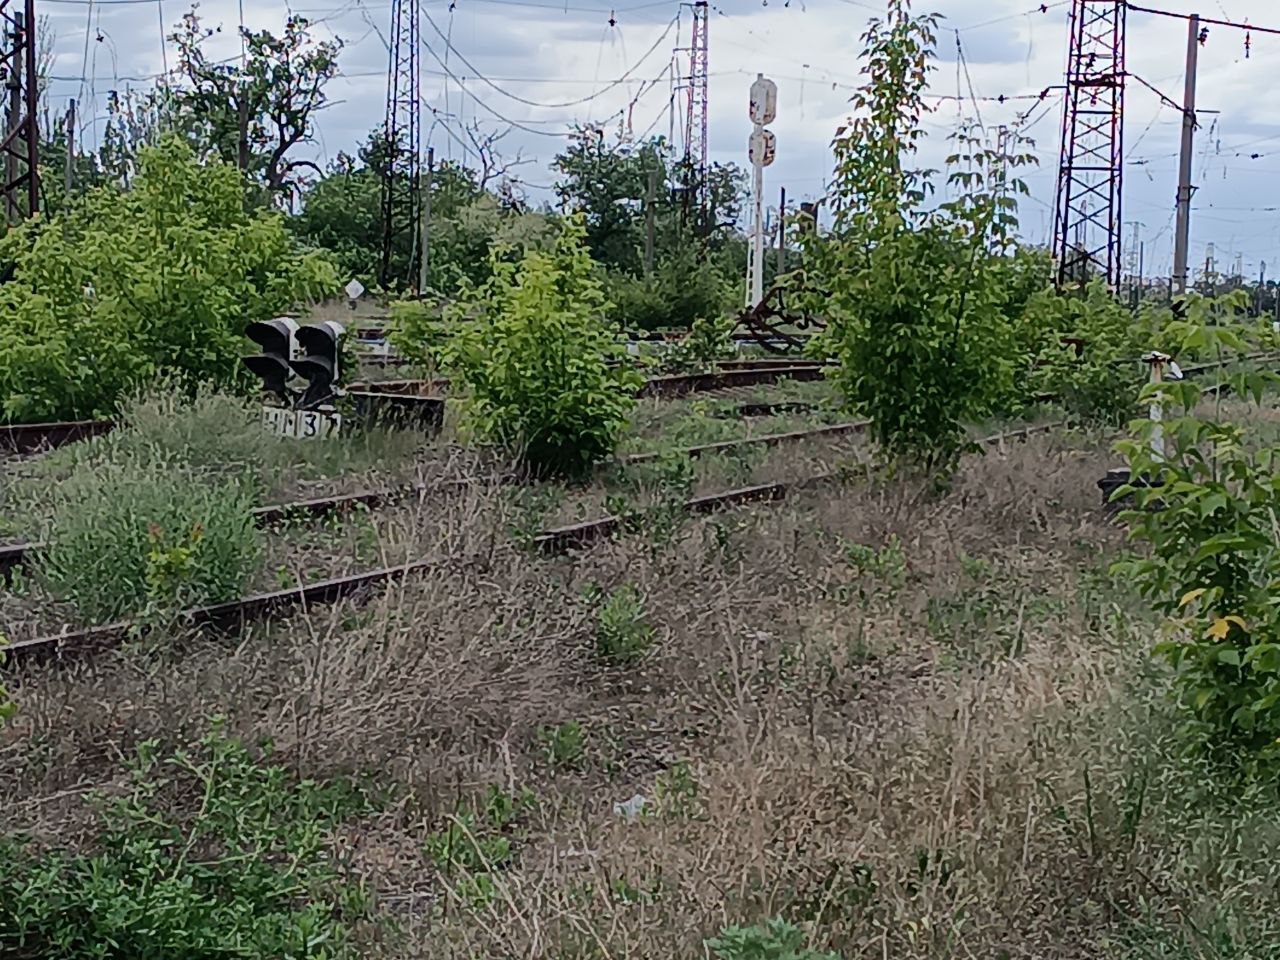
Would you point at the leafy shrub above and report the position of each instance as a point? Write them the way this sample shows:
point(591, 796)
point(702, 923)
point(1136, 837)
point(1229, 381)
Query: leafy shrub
point(683, 287)
point(621, 630)
point(418, 331)
point(563, 745)
point(775, 940)
point(133, 537)
point(1100, 381)
point(534, 349)
point(129, 285)
point(1207, 505)
point(916, 306)
point(707, 342)
point(205, 854)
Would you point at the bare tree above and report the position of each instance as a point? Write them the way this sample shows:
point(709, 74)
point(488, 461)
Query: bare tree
point(491, 164)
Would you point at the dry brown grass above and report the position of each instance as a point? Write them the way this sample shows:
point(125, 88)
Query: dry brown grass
point(931, 759)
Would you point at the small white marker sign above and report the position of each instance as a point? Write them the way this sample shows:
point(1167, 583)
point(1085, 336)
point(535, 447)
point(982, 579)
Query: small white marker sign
point(355, 290)
point(301, 424)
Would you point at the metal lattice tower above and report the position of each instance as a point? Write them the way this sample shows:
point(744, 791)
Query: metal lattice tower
point(696, 144)
point(401, 172)
point(21, 143)
point(1087, 215)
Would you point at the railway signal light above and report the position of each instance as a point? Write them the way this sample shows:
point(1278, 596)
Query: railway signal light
point(277, 340)
point(321, 362)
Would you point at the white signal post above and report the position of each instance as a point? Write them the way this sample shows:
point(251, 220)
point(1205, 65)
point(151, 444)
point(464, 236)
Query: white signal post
point(761, 149)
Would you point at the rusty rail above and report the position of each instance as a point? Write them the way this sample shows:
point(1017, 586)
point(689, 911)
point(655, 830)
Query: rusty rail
point(234, 614)
point(33, 437)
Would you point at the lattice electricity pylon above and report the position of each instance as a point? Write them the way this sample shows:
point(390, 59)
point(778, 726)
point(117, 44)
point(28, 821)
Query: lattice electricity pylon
point(401, 170)
point(21, 144)
point(1087, 215)
point(696, 143)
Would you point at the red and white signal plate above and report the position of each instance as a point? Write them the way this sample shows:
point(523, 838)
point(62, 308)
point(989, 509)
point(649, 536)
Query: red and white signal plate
point(301, 424)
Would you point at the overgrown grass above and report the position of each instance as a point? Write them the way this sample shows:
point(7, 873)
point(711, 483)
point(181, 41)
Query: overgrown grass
point(905, 724)
point(151, 537)
point(213, 434)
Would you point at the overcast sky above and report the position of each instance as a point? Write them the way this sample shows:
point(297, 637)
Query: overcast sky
point(551, 52)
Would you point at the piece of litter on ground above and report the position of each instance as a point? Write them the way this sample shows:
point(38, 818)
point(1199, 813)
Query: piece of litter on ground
point(630, 808)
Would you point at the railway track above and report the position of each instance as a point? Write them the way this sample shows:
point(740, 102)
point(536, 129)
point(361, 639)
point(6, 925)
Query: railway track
point(559, 540)
point(26, 439)
point(16, 555)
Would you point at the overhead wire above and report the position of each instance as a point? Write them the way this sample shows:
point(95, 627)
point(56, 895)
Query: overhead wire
point(479, 75)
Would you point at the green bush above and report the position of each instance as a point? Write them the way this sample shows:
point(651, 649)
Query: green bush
point(149, 537)
point(132, 284)
point(707, 342)
point(203, 854)
point(1206, 505)
point(535, 351)
point(622, 632)
point(775, 940)
point(914, 293)
point(683, 287)
point(418, 331)
point(1100, 382)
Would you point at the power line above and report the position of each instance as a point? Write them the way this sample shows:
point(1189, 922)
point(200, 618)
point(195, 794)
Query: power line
point(488, 109)
point(1275, 31)
point(552, 106)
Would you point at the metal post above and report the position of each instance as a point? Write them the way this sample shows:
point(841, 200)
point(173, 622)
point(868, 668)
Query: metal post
point(13, 116)
point(1157, 361)
point(71, 147)
point(1182, 234)
point(426, 221)
point(757, 235)
point(782, 232)
point(650, 201)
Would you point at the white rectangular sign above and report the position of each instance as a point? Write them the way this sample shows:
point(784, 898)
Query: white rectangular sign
point(300, 424)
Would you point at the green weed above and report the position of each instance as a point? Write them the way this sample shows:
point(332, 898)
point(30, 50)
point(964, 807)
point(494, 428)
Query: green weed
point(564, 745)
point(622, 633)
point(207, 853)
point(134, 538)
point(774, 940)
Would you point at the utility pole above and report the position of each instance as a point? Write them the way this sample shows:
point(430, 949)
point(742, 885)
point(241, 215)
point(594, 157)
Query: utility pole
point(1142, 258)
point(650, 201)
point(425, 237)
point(761, 148)
point(782, 232)
point(1088, 220)
point(21, 138)
point(1182, 234)
point(71, 146)
point(402, 132)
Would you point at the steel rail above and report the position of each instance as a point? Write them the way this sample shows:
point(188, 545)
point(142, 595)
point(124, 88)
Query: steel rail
point(234, 614)
point(34, 437)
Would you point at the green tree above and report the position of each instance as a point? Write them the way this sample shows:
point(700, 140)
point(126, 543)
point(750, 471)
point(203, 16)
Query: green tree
point(255, 111)
point(540, 360)
point(127, 286)
point(342, 213)
point(693, 277)
point(917, 310)
point(608, 181)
